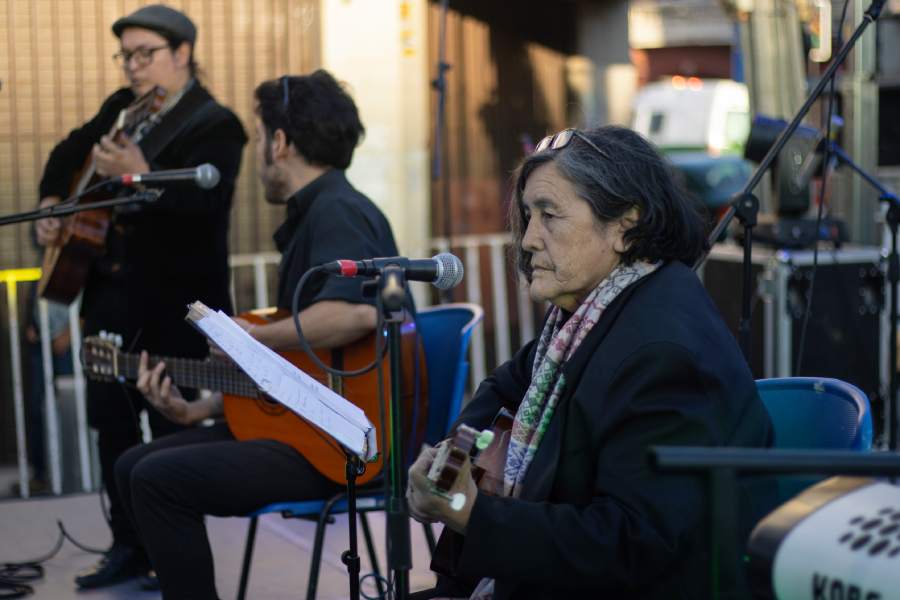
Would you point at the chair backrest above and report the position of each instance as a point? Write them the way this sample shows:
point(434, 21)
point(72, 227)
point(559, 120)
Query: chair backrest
point(817, 413)
point(446, 330)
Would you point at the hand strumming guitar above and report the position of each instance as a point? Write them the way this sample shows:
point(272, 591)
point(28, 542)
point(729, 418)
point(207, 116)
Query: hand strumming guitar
point(427, 507)
point(47, 230)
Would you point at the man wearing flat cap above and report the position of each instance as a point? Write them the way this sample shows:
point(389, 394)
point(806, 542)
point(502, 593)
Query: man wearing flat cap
point(157, 258)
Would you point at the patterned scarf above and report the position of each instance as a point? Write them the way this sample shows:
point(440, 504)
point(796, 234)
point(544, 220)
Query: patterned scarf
point(559, 340)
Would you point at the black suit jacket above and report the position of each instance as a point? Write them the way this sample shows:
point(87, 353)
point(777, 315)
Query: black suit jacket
point(594, 519)
point(175, 250)
point(167, 254)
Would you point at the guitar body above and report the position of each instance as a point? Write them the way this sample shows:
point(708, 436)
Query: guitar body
point(65, 269)
point(260, 418)
point(487, 471)
point(82, 238)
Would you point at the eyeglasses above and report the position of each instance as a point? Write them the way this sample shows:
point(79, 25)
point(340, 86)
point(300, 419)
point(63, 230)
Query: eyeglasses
point(142, 56)
point(560, 140)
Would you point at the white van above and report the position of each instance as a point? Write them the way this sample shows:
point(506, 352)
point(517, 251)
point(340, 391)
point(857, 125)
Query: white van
point(689, 113)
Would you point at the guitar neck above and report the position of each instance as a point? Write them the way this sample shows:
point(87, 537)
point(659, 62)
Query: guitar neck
point(194, 373)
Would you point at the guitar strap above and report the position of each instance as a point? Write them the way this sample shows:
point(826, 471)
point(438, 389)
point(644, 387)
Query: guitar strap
point(188, 111)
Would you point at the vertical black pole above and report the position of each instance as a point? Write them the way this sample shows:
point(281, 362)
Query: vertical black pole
point(399, 545)
point(747, 209)
point(893, 217)
point(351, 556)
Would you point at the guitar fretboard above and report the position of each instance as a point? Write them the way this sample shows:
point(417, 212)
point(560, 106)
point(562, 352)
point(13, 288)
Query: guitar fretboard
point(195, 373)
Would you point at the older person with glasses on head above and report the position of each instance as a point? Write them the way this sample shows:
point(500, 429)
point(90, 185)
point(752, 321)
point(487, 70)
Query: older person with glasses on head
point(159, 258)
point(632, 354)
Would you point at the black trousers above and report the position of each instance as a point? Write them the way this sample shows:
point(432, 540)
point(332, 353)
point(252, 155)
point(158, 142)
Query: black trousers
point(113, 408)
point(167, 487)
point(113, 439)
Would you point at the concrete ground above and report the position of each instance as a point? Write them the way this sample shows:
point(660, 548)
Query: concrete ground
point(28, 529)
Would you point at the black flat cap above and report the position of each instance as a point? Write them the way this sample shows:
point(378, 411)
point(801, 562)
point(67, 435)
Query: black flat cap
point(160, 18)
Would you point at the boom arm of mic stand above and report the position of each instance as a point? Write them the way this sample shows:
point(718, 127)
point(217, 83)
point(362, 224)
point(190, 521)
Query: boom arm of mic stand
point(60, 210)
point(871, 15)
point(745, 206)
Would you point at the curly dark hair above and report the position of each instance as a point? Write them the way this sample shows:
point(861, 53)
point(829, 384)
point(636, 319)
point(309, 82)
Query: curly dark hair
point(631, 174)
point(317, 115)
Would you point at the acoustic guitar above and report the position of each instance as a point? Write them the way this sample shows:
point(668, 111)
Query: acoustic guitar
point(485, 449)
point(82, 237)
point(487, 452)
point(252, 415)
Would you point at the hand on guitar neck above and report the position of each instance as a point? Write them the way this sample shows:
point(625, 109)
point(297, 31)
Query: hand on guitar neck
point(444, 481)
point(427, 506)
point(114, 156)
point(157, 388)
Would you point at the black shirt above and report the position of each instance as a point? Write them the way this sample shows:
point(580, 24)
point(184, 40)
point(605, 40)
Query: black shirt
point(329, 220)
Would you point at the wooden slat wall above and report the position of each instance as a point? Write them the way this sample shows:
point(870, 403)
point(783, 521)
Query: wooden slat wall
point(504, 92)
point(56, 70)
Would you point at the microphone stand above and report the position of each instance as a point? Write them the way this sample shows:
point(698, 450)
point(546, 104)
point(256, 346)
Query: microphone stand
point(892, 219)
point(392, 286)
point(745, 206)
point(439, 83)
point(67, 208)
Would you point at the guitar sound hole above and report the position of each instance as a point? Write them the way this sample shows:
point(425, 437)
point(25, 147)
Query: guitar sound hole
point(269, 407)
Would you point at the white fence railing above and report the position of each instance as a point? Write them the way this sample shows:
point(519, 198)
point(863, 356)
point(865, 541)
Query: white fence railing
point(496, 272)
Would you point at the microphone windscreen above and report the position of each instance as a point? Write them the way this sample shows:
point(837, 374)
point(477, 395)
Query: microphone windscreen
point(449, 271)
point(207, 176)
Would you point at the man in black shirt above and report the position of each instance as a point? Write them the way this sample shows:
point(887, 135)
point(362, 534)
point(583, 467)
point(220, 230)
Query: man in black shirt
point(307, 128)
point(160, 257)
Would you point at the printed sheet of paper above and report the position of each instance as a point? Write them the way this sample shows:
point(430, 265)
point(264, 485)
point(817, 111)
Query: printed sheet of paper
point(287, 384)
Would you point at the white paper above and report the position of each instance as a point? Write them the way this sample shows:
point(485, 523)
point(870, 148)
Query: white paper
point(285, 383)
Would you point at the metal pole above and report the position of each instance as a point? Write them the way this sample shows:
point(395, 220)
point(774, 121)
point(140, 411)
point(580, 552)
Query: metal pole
point(51, 420)
point(18, 401)
point(84, 449)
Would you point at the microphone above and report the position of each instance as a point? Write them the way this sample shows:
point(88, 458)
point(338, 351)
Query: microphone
point(205, 176)
point(444, 270)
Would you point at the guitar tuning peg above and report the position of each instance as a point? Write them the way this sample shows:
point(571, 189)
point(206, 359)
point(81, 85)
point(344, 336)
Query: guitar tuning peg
point(118, 340)
point(103, 335)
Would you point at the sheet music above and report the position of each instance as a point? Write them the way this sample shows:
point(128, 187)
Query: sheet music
point(285, 383)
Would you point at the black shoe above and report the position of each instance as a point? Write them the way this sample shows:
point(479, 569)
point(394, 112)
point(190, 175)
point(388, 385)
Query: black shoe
point(118, 564)
point(148, 581)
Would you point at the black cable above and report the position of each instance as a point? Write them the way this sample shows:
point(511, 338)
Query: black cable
point(377, 578)
point(825, 167)
point(15, 576)
point(380, 349)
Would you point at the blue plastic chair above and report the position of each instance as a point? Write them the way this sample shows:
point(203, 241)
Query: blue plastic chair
point(815, 413)
point(446, 331)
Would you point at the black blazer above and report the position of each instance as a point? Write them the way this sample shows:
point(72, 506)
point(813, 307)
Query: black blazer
point(594, 520)
point(173, 251)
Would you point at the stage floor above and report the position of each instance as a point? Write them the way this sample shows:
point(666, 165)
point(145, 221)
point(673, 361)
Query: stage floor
point(280, 569)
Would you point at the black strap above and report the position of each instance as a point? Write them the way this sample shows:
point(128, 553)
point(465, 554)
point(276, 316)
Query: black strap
point(184, 114)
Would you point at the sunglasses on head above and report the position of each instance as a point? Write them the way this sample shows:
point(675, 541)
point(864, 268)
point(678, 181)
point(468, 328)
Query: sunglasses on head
point(560, 140)
point(286, 100)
